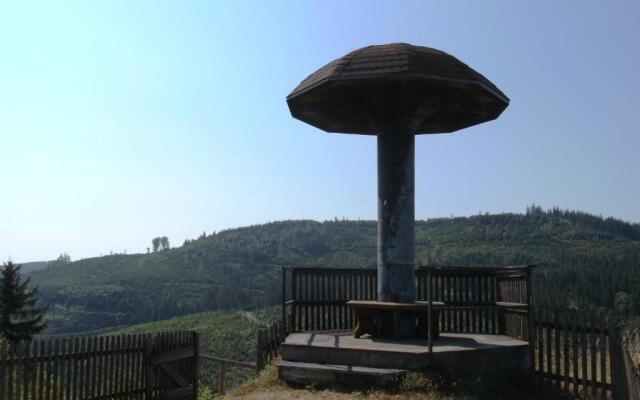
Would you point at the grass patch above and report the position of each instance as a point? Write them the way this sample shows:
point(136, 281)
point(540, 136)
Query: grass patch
point(427, 384)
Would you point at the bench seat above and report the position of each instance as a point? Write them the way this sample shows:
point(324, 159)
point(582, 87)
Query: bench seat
point(367, 312)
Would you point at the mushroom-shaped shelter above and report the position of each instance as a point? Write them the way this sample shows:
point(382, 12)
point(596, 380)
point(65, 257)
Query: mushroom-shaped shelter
point(395, 91)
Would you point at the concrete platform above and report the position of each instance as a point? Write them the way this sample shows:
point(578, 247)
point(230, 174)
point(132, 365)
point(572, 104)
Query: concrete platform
point(330, 374)
point(476, 354)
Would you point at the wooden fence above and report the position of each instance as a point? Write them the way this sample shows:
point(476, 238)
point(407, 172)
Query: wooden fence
point(268, 340)
point(631, 373)
point(101, 367)
point(223, 363)
point(573, 351)
point(314, 299)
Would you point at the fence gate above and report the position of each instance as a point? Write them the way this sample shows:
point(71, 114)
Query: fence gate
point(172, 370)
point(113, 367)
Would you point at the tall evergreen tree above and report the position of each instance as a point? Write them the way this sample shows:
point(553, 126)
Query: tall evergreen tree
point(19, 318)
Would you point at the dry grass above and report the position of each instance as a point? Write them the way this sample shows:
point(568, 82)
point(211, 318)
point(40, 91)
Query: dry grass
point(423, 385)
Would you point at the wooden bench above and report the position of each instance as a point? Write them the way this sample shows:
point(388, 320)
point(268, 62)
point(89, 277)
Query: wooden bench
point(367, 312)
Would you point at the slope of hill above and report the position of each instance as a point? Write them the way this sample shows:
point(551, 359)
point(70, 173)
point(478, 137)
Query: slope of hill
point(584, 259)
point(33, 266)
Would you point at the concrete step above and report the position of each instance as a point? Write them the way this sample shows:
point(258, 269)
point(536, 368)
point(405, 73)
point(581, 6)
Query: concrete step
point(306, 373)
point(354, 357)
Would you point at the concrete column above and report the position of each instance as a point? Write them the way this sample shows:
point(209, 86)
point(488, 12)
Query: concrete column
point(396, 224)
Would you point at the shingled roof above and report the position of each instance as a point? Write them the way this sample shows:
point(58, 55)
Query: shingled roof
point(396, 58)
point(353, 93)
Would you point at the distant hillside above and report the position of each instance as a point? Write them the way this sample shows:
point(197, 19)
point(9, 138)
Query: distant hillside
point(584, 259)
point(230, 334)
point(33, 266)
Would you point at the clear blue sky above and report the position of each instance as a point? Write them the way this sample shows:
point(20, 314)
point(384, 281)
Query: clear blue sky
point(123, 120)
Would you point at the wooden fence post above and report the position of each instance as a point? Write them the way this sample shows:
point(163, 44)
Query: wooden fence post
point(149, 379)
point(196, 365)
point(618, 377)
point(221, 377)
point(259, 350)
point(531, 325)
point(284, 294)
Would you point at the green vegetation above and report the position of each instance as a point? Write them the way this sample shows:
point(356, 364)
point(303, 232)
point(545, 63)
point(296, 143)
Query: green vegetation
point(584, 261)
point(33, 266)
point(19, 319)
point(228, 334)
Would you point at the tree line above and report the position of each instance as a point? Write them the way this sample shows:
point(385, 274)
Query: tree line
point(160, 243)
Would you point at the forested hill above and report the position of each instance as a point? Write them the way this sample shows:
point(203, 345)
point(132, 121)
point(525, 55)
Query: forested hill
point(582, 259)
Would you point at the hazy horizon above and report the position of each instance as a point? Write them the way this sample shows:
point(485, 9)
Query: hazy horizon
point(123, 121)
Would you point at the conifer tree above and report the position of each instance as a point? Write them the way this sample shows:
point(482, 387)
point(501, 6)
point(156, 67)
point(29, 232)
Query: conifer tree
point(19, 318)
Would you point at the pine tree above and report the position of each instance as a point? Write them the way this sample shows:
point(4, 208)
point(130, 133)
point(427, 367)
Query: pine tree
point(19, 319)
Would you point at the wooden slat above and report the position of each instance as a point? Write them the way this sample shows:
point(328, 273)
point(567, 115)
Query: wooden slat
point(603, 358)
point(118, 362)
point(556, 337)
point(54, 387)
point(96, 367)
point(68, 370)
point(130, 362)
point(548, 345)
point(583, 349)
point(565, 351)
point(121, 378)
point(34, 370)
point(74, 368)
point(594, 359)
point(83, 375)
point(4, 360)
point(149, 376)
point(42, 370)
point(25, 371)
point(540, 337)
point(574, 351)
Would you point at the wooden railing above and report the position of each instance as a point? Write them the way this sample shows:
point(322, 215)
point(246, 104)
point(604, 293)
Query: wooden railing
point(314, 299)
point(317, 297)
point(476, 298)
point(101, 367)
point(222, 367)
point(268, 340)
